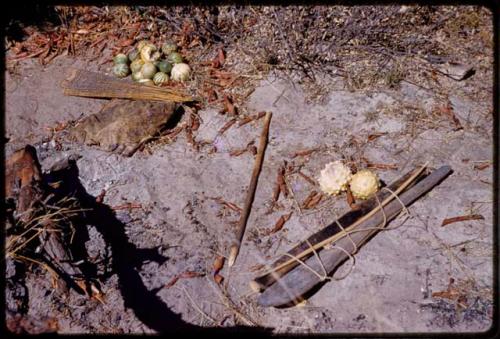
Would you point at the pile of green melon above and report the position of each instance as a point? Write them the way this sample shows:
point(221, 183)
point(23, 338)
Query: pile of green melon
point(152, 66)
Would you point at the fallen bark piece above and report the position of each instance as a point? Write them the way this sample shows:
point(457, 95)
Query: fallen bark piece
point(122, 126)
point(448, 221)
point(301, 279)
point(84, 83)
point(23, 180)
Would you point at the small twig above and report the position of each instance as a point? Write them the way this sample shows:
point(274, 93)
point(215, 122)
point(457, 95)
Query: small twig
point(184, 275)
point(251, 190)
point(226, 126)
point(126, 206)
point(308, 179)
point(448, 221)
point(303, 153)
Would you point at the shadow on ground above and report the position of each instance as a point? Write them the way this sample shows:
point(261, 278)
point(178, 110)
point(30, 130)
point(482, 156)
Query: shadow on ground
point(126, 260)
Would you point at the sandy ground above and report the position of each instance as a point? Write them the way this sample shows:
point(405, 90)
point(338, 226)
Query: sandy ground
point(390, 288)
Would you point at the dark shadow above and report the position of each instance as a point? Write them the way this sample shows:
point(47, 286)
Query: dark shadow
point(42, 16)
point(127, 259)
point(174, 119)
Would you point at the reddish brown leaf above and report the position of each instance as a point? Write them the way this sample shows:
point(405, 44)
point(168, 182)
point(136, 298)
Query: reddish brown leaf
point(374, 136)
point(313, 200)
point(211, 95)
point(279, 224)
point(450, 113)
point(183, 275)
point(482, 166)
point(252, 149)
point(218, 264)
point(237, 152)
point(191, 274)
point(309, 198)
point(218, 278)
point(248, 119)
point(228, 106)
point(303, 153)
point(226, 126)
point(245, 120)
point(221, 56)
point(126, 43)
point(195, 122)
point(230, 205)
point(350, 197)
point(462, 218)
point(100, 198)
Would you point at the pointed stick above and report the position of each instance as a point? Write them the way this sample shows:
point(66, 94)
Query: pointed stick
point(235, 247)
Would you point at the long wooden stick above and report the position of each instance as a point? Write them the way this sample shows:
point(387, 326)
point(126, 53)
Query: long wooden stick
point(302, 278)
point(235, 247)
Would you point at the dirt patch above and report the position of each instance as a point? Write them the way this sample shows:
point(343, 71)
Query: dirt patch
point(179, 223)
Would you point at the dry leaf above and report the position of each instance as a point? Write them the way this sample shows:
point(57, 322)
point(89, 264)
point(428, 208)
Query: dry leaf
point(218, 278)
point(218, 264)
point(279, 224)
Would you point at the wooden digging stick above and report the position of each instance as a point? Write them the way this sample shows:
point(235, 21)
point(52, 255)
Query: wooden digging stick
point(235, 247)
point(300, 280)
point(266, 279)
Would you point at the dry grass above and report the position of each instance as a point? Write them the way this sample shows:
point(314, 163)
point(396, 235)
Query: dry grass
point(23, 243)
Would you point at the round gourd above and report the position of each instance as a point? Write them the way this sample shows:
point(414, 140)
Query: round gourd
point(141, 44)
point(120, 59)
point(180, 72)
point(168, 47)
point(160, 78)
point(137, 76)
point(148, 70)
point(174, 58)
point(363, 184)
point(155, 56)
point(121, 70)
point(334, 178)
point(164, 66)
point(133, 55)
point(147, 53)
point(136, 65)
